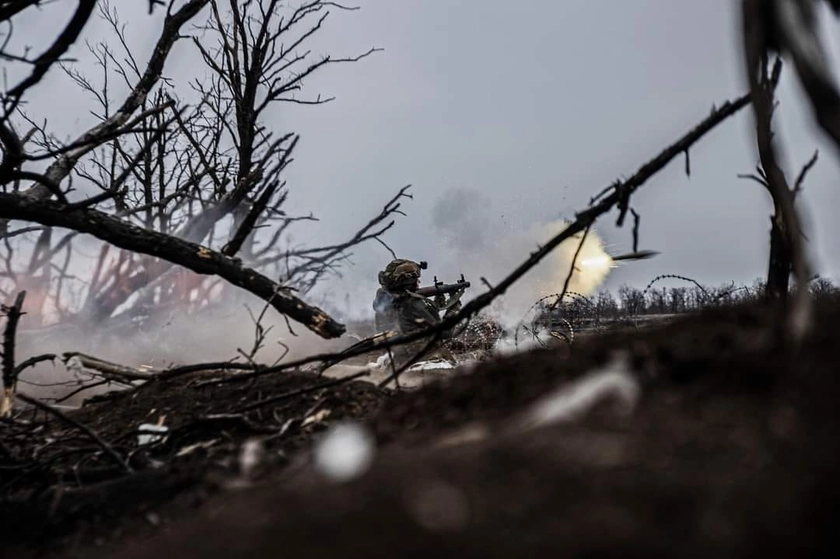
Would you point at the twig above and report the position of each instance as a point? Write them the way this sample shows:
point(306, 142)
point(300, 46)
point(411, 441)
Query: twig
point(81, 389)
point(636, 220)
point(800, 180)
point(32, 361)
point(83, 428)
point(301, 392)
point(572, 266)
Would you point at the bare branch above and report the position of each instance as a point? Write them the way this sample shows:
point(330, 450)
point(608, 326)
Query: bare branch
point(800, 180)
point(67, 37)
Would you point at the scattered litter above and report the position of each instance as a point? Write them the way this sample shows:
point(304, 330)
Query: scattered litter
point(316, 417)
point(344, 452)
point(74, 366)
point(381, 363)
point(431, 365)
point(189, 449)
point(149, 433)
point(573, 400)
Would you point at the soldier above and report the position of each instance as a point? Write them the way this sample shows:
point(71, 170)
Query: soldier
point(399, 309)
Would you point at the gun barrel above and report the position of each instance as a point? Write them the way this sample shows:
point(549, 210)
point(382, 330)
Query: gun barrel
point(442, 289)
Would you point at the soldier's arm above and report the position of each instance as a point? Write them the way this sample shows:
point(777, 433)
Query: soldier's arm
point(415, 315)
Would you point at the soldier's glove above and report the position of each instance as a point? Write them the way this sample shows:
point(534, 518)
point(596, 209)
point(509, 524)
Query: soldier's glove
point(454, 309)
point(455, 299)
point(440, 301)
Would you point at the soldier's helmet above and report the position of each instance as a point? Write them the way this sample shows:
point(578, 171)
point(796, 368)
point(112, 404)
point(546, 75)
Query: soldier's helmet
point(400, 273)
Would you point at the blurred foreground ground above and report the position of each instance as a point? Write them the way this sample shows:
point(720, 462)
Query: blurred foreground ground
point(727, 448)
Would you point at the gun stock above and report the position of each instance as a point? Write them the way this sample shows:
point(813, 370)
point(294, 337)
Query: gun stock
point(442, 288)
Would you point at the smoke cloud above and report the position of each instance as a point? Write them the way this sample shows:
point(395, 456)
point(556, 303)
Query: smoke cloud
point(471, 240)
point(478, 244)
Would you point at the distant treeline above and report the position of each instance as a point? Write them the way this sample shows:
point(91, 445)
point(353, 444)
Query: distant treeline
point(630, 300)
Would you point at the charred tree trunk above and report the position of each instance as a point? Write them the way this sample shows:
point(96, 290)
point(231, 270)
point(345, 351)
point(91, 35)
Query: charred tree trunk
point(10, 371)
point(780, 263)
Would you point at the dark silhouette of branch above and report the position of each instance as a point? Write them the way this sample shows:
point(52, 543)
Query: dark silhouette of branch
point(64, 41)
point(789, 249)
point(636, 222)
point(573, 266)
point(32, 361)
point(250, 220)
point(791, 27)
point(800, 179)
point(94, 137)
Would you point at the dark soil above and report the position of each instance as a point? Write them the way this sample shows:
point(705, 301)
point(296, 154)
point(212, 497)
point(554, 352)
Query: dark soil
point(67, 489)
point(732, 451)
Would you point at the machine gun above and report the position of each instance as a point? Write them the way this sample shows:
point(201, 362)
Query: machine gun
point(440, 288)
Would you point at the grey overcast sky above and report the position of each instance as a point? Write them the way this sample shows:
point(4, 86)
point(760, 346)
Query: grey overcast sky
point(530, 107)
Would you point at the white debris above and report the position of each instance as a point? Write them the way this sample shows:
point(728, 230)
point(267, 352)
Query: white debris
point(431, 365)
point(316, 417)
point(74, 365)
point(573, 400)
point(149, 433)
point(380, 363)
point(189, 449)
point(384, 363)
point(250, 456)
point(345, 452)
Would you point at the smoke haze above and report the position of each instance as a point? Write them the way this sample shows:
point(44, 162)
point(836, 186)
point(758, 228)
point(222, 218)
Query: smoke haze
point(480, 244)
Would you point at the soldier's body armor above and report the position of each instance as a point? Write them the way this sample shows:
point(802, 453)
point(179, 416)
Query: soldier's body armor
point(385, 312)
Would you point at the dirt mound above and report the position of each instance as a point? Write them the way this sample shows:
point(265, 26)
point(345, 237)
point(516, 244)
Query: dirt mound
point(729, 451)
point(57, 481)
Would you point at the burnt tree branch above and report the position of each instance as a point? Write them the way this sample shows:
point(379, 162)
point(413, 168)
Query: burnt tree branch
point(195, 257)
point(95, 136)
point(62, 43)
